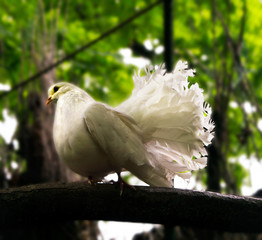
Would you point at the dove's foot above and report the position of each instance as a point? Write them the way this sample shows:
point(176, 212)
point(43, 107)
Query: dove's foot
point(122, 183)
point(90, 180)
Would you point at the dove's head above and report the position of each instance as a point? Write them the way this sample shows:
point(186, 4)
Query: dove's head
point(57, 90)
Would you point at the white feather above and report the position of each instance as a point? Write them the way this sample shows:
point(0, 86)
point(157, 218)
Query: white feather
point(174, 119)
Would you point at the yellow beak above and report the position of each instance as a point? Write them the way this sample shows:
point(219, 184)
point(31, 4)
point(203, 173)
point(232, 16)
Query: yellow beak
point(48, 100)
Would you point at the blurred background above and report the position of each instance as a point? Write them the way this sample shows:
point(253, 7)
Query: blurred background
point(220, 39)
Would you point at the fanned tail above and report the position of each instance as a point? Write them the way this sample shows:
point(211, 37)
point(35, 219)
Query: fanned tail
point(175, 122)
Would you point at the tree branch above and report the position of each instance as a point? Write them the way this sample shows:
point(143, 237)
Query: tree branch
point(84, 47)
point(243, 24)
point(45, 203)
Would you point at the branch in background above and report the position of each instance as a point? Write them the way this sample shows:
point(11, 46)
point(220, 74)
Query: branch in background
point(38, 204)
point(236, 48)
point(84, 47)
point(243, 81)
point(242, 24)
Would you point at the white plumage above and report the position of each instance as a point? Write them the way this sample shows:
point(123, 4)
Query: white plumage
point(159, 132)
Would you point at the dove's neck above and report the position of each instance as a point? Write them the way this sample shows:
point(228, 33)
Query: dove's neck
point(70, 108)
point(72, 104)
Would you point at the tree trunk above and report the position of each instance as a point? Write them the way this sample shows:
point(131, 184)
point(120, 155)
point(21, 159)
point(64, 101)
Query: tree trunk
point(36, 138)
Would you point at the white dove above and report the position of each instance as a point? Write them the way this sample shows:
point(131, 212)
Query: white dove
point(159, 132)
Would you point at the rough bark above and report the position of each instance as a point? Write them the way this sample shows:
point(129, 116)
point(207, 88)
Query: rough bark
point(53, 203)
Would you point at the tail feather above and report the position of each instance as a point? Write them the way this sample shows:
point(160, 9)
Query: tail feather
point(153, 176)
point(175, 123)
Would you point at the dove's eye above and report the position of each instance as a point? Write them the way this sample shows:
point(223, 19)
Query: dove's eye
point(56, 89)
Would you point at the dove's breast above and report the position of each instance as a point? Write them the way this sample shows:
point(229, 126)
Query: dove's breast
point(75, 146)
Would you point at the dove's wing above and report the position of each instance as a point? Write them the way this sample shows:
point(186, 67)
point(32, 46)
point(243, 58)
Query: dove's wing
point(120, 138)
point(116, 134)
